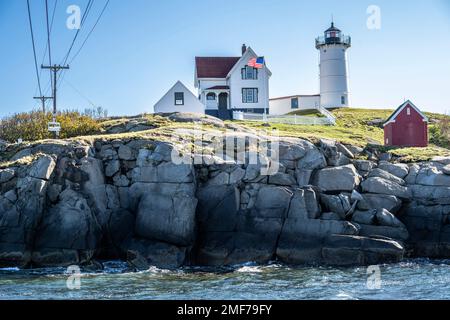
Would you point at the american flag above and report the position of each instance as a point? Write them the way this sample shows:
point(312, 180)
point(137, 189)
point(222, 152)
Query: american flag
point(257, 63)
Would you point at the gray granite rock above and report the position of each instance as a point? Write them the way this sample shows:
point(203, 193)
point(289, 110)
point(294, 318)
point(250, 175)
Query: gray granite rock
point(387, 187)
point(344, 178)
point(398, 170)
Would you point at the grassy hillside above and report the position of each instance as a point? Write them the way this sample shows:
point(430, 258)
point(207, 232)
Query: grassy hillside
point(308, 113)
point(352, 128)
point(360, 127)
point(363, 127)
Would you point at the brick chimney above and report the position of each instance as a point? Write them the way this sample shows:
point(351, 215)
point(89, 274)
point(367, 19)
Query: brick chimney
point(244, 49)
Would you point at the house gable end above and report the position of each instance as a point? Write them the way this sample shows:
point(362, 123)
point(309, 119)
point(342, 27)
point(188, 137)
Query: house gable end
point(179, 87)
point(400, 109)
point(171, 90)
point(249, 54)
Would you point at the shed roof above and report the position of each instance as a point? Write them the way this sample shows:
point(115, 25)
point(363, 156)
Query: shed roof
point(395, 114)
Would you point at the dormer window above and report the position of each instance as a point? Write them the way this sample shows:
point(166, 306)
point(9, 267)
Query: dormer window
point(249, 73)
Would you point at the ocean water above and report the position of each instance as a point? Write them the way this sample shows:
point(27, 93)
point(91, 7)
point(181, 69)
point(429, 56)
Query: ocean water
point(415, 279)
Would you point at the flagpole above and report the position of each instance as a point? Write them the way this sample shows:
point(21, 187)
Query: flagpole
point(266, 85)
point(253, 63)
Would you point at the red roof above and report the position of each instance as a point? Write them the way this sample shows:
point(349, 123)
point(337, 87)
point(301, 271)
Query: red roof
point(214, 67)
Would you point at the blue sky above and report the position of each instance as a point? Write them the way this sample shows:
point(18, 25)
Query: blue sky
point(142, 47)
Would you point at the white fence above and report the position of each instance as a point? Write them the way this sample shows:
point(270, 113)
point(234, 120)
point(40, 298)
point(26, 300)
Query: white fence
point(328, 120)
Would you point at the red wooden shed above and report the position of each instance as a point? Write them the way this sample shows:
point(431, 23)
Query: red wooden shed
point(406, 127)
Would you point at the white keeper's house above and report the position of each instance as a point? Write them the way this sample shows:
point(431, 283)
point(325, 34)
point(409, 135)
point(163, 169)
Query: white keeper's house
point(225, 84)
point(228, 84)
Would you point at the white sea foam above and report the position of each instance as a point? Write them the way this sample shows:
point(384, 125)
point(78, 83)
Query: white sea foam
point(250, 269)
point(9, 269)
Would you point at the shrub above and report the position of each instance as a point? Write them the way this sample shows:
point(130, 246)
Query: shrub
point(440, 133)
point(32, 126)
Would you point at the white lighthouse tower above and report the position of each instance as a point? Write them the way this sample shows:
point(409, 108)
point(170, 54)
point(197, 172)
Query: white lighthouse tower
point(333, 47)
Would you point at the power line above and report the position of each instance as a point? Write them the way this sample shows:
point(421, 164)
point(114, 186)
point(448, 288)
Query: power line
point(43, 100)
point(83, 19)
point(87, 37)
point(90, 32)
point(47, 47)
point(80, 93)
point(55, 69)
point(48, 38)
point(51, 29)
point(34, 48)
point(63, 69)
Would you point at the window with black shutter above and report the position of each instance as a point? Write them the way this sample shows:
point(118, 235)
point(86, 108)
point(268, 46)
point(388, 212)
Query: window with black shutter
point(179, 98)
point(250, 95)
point(249, 73)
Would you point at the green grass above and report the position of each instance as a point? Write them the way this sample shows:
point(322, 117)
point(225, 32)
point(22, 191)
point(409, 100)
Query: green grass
point(309, 113)
point(353, 127)
point(146, 119)
point(419, 154)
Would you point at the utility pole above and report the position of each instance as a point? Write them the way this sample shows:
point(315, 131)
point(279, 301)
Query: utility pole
point(43, 100)
point(55, 69)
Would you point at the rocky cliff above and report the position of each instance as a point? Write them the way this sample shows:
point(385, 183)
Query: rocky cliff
point(77, 202)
